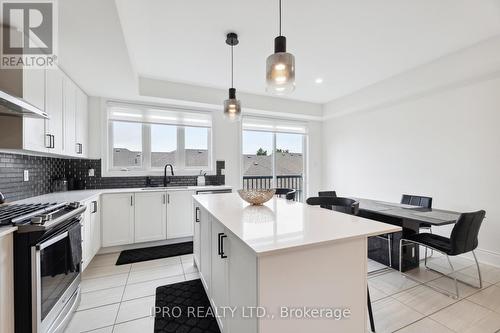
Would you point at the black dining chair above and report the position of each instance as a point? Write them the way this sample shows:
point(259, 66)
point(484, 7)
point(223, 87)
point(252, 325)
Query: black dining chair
point(348, 206)
point(420, 201)
point(413, 200)
point(327, 194)
point(339, 204)
point(289, 193)
point(463, 239)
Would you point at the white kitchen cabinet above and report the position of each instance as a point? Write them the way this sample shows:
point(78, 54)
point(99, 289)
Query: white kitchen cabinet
point(150, 217)
point(196, 235)
point(86, 237)
point(81, 124)
point(229, 271)
point(117, 213)
point(179, 214)
point(54, 107)
point(91, 231)
point(69, 106)
point(34, 93)
point(241, 283)
point(205, 249)
point(95, 225)
point(219, 278)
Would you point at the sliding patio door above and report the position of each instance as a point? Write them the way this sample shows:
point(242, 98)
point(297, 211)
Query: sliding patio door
point(274, 154)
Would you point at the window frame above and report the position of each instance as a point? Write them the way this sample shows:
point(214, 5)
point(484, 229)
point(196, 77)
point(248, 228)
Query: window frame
point(109, 170)
point(305, 147)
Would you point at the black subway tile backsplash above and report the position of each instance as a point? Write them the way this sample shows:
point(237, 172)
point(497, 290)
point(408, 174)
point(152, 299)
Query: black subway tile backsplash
point(43, 170)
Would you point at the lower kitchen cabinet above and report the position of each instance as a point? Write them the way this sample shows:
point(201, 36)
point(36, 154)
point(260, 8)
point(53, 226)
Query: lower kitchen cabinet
point(95, 222)
point(229, 272)
point(205, 245)
point(91, 231)
point(219, 278)
point(179, 214)
point(150, 222)
point(117, 219)
point(196, 235)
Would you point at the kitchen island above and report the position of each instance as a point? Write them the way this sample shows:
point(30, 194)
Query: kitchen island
point(284, 266)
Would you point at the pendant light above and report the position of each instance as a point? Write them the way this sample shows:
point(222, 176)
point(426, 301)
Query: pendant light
point(232, 106)
point(280, 66)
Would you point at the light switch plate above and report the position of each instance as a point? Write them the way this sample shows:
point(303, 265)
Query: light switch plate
point(26, 175)
point(223, 171)
point(91, 172)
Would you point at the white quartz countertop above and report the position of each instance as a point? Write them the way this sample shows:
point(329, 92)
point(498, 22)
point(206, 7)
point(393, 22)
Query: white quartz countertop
point(282, 224)
point(84, 195)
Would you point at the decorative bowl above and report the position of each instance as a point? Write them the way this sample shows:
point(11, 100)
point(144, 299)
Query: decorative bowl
point(256, 197)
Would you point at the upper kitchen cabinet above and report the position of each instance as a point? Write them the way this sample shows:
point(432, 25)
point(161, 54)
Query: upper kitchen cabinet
point(69, 107)
point(34, 93)
point(82, 115)
point(16, 131)
point(54, 99)
point(75, 119)
point(63, 132)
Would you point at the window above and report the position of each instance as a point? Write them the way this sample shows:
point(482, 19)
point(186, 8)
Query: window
point(143, 140)
point(163, 145)
point(127, 144)
point(273, 154)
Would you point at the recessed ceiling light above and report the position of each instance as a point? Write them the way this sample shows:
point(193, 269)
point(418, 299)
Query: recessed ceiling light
point(319, 80)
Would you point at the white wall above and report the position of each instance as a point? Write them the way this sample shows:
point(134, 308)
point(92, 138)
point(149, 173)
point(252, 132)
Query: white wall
point(445, 145)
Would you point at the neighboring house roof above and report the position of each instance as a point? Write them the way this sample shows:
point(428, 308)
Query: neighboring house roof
point(123, 157)
point(253, 165)
point(286, 164)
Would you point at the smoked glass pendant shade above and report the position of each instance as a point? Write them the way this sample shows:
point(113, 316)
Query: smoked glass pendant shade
point(232, 106)
point(280, 69)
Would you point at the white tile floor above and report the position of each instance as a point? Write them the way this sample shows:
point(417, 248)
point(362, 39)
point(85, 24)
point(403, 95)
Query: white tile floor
point(118, 299)
point(405, 305)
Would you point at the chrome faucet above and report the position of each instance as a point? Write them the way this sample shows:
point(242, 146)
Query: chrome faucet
point(165, 179)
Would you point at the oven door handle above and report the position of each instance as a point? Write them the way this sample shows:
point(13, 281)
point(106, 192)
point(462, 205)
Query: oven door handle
point(50, 241)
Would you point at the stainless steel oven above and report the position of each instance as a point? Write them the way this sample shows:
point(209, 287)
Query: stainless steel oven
point(55, 281)
point(47, 268)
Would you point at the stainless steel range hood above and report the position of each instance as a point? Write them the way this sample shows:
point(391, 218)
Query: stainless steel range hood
point(17, 107)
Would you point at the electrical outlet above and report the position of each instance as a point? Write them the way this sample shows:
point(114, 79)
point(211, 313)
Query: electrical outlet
point(223, 171)
point(91, 172)
point(26, 175)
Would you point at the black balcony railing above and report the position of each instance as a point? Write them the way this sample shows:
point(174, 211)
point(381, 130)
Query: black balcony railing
point(285, 181)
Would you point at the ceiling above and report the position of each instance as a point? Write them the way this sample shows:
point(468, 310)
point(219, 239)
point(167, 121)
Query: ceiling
point(350, 44)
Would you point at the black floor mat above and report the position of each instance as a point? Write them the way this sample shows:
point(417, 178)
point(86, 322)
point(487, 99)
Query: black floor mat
point(172, 309)
point(155, 252)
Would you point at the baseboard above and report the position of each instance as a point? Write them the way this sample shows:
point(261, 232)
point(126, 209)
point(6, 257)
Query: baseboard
point(484, 257)
point(120, 248)
point(488, 257)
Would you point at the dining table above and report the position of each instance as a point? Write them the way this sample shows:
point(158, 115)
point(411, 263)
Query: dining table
point(411, 219)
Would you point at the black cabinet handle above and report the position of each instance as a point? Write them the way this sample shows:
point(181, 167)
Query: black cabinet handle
point(94, 203)
point(219, 248)
point(222, 255)
point(53, 141)
point(197, 214)
point(79, 148)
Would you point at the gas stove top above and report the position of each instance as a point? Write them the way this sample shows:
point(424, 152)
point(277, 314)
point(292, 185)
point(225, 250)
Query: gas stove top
point(40, 216)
